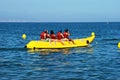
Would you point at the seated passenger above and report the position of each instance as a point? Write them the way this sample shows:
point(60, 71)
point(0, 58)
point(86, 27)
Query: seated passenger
point(44, 35)
point(60, 37)
point(66, 36)
point(52, 37)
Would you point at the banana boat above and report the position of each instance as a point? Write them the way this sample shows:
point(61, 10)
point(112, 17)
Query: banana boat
point(39, 44)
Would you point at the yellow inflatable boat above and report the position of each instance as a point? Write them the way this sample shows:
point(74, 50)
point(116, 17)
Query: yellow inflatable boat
point(38, 44)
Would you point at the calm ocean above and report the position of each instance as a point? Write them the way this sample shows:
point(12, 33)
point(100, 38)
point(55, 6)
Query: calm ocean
point(98, 61)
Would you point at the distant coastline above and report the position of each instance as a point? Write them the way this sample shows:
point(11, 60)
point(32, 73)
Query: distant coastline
point(59, 22)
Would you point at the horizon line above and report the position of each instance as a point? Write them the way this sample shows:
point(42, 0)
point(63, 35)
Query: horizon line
point(58, 22)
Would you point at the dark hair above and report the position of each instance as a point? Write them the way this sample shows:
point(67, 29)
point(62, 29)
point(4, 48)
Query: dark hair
point(66, 30)
point(51, 32)
point(60, 31)
point(46, 31)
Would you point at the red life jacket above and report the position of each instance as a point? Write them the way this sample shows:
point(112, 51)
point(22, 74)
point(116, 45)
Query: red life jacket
point(42, 35)
point(52, 36)
point(65, 34)
point(59, 35)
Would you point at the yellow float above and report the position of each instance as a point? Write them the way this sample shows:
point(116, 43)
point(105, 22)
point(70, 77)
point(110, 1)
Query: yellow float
point(24, 36)
point(38, 44)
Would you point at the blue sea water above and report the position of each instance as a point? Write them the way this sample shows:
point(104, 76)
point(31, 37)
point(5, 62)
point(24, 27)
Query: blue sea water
point(99, 61)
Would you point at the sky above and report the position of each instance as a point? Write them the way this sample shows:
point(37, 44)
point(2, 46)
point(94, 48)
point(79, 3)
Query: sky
point(59, 11)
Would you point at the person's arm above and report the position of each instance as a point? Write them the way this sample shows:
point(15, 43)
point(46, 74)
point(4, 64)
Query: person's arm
point(44, 36)
point(68, 34)
point(62, 35)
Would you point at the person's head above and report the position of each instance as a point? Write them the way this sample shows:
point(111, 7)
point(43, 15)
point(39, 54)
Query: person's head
point(66, 30)
point(60, 31)
point(51, 32)
point(46, 31)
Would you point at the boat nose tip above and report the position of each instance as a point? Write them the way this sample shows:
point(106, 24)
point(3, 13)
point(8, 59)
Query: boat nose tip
point(93, 34)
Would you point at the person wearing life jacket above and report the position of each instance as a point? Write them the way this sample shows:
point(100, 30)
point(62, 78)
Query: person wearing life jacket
point(60, 37)
point(43, 35)
point(66, 35)
point(52, 37)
